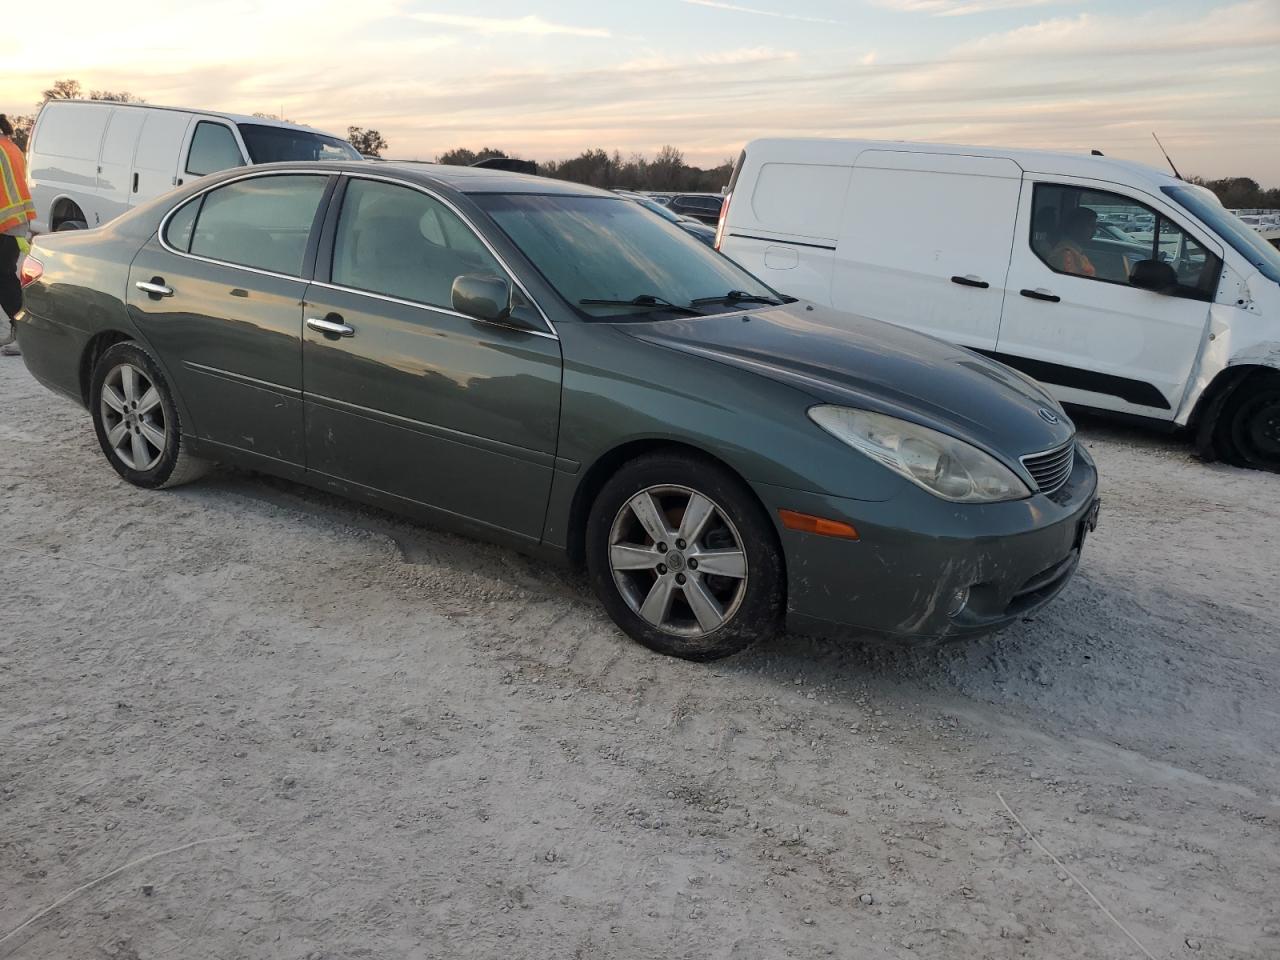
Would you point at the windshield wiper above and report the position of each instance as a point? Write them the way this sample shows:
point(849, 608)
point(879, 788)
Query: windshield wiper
point(737, 296)
point(643, 300)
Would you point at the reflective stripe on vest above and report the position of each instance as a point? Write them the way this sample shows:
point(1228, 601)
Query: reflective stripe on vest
point(16, 207)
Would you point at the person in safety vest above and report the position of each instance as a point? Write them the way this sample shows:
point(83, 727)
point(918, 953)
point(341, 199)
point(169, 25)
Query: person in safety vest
point(16, 213)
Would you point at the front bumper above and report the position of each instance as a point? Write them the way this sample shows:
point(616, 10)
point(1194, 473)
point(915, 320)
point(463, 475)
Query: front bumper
point(917, 553)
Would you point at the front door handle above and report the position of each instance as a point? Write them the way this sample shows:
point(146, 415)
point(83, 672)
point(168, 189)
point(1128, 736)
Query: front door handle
point(969, 280)
point(154, 288)
point(1040, 293)
point(331, 326)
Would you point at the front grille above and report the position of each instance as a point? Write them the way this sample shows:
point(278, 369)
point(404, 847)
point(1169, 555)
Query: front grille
point(1050, 470)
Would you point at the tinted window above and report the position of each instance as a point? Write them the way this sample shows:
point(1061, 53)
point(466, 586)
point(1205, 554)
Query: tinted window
point(609, 249)
point(273, 144)
point(213, 148)
point(263, 222)
point(1101, 236)
point(178, 231)
point(402, 243)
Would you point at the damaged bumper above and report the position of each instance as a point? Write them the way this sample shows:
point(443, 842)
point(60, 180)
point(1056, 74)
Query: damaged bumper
point(924, 568)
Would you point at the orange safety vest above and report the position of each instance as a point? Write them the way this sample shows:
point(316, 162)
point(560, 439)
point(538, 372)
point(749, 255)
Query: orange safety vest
point(16, 207)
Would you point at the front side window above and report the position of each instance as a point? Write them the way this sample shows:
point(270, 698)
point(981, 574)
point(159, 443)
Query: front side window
point(1102, 236)
point(213, 148)
point(402, 243)
point(263, 222)
point(593, 249)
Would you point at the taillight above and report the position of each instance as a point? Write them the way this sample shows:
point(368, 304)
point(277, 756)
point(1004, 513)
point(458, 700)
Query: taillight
point(32, 270)
point(724, 218)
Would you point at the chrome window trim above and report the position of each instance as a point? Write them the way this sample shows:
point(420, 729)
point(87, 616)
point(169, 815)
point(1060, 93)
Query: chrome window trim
point(164, 222)
point(511, 275)
point(355, 291)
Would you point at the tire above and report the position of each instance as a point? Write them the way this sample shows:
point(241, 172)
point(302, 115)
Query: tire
point(71, 225)
point(139, 433)
point(654, 583)
point(1247, 430)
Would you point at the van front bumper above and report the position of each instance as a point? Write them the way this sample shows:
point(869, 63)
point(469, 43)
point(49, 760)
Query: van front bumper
point(927, 569)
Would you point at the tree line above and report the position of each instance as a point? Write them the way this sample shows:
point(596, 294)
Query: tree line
point(1238, 193)
point(667, 172)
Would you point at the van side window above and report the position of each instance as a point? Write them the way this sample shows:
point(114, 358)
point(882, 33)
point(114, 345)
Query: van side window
point(1103, 236)
point(213, 148)
point(402, 243)
point(263, 222)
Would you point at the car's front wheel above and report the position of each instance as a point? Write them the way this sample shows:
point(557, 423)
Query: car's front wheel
point(683, 557)
point(137, 421)
point(1247, 431)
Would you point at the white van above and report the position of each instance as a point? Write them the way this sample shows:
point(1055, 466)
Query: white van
point(89, 161)
point(1119, 286)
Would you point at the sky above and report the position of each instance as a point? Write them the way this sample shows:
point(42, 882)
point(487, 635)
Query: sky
point(545, 80)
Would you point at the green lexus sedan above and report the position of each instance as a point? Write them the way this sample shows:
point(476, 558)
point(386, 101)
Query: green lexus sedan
point(550, 366)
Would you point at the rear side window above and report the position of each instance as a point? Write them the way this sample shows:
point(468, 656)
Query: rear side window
point(402, 243)
point(177, 232)
point(803, 199)
point(263, 222)
point(213, 148)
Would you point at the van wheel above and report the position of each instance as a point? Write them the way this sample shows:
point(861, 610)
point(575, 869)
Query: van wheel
point(683, 557)
point(137, 421)
point(1247, 431)
point(71, 225)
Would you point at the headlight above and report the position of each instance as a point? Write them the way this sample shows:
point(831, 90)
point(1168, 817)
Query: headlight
point(946, 467)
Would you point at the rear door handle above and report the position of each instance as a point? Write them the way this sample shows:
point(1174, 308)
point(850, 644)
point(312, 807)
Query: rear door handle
point(969, 280)
point(1040, 293)
point(331, 326)
point(155, 287)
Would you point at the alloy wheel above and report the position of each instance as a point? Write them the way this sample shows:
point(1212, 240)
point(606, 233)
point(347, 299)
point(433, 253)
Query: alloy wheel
point(133, 416)
point(678, 560)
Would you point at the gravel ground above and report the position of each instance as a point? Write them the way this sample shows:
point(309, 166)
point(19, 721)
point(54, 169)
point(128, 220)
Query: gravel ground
point(422, 747)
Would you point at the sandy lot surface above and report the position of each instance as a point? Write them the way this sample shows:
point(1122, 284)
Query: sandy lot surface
point(422, 747)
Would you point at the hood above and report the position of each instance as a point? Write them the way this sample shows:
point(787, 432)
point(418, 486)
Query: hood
point(854, 361)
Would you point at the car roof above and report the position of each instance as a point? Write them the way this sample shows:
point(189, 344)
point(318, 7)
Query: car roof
point(222, 115)
point(458, 179)
point(845, 152)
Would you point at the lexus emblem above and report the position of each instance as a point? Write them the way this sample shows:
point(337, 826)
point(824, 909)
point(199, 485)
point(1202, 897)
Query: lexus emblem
point(1048, 416)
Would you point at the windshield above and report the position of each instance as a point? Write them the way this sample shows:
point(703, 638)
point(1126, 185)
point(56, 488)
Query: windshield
point(607, 248)
point(1246, 241)
point(272, 144)
point(668, 215)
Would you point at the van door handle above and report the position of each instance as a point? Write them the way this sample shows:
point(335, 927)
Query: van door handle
point(969, 280)
point(331, 326)
point(154, 288)
point(1040, 293)
point(135, 182)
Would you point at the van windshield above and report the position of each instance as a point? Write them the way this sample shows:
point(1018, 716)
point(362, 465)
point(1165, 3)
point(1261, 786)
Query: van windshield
point(1246, 241)
point(273, 144)
point(612, 260)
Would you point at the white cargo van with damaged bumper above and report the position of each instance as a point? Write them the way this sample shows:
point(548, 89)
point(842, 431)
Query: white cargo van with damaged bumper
point(89, 161)
point(1120, 287)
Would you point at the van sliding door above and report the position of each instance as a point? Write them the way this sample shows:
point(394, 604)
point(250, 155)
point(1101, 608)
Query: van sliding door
point(925, 242)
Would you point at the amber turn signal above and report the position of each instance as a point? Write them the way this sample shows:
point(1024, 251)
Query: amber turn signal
point(808, 523)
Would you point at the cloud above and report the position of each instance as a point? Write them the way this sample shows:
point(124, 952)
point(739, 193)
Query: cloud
point(530, 26)
point(958, 8)
point(718, 5)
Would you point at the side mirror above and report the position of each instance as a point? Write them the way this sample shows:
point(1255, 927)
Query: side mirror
point(485, 298)
point(1153, 275)
point(494, 300)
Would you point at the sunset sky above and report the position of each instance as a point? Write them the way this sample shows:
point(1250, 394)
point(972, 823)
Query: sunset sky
point(546, 80)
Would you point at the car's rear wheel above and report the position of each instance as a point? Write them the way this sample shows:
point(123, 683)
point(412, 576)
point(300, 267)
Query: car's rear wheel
point(683, 557)
point(137, 421)
point(1247, 431)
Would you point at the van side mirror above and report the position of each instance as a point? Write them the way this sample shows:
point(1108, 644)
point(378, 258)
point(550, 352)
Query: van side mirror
point(1153, 275)
point(494, 300)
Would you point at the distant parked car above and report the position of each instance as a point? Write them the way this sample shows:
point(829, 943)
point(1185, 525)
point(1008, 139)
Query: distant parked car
point(695, 228)
point(548, 365)
point(89, 161)
point(700, 206)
